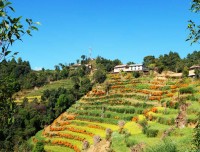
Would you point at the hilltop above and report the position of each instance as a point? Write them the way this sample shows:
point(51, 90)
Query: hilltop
point(144, 113)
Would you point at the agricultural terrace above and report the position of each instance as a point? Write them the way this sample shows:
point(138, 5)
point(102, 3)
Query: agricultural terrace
point(140, 113)
point(37, 92)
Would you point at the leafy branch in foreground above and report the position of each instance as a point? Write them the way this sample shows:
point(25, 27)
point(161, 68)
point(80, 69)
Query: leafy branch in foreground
point(11, 28)
point(194, 29)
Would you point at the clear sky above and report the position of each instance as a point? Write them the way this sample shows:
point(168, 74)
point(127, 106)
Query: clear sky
point(125, 29)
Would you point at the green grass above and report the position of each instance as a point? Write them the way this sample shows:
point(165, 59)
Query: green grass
point(133, 128)
point(33, 93)
point(53, 148)
point(87, 137)
point(118, 143)
point(112, 127)
point(91, 130)
point(183, 138)
point(67, 83)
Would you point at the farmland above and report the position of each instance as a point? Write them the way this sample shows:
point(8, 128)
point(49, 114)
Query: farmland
point(133, 114)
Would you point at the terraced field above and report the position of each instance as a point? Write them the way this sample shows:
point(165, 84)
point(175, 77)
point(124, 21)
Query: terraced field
point(140, 113)
point(37, 92)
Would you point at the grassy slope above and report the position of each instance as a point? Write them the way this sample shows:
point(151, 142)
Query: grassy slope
point(91, 105)
point(36, 93)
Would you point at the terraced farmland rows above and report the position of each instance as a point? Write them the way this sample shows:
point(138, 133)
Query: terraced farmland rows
point(134, 101)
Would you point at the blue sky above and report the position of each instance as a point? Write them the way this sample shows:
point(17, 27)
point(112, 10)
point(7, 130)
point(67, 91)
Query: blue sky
point(125, 29)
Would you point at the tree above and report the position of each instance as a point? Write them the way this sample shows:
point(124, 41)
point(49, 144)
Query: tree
point(185, 72)
point(148, 60)
point(99, 76)
point(197, 73)
point(11, 31)
point(136, 74)
point(130, 62)
point(11, 28)
point(196, 136)
point(107, 87)
point(39, 147)
point(83, 59)
point(194, 29)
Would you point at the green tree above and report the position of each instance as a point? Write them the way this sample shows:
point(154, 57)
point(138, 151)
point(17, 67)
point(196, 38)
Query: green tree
point(136, 74)
point(107, 87)
point(197, 73)
point(194, 29)
point(196, 136)
point(11, 28)
point(148, 60)
point(99, 76)
point(11, 31)
point(130, 62)
point(39, 147)
point(185, 72)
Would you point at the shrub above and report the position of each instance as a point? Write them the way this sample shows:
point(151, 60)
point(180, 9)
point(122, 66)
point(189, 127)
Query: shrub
point(136, 74)
point(142, 86)
point(186, 90)
point(168, 146)
point(192, 98)
point(152, 132)
point(39, 147)
point(165, 88)
point(129, 142)
point(196, 136)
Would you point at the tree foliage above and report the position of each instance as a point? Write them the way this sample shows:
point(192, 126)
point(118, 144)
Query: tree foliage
point(194, 29)
point(11, 28)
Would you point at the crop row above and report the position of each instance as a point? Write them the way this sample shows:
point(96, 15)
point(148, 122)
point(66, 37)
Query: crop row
point(116, 96)
point(97, 119)
point(66, 144)
point(106, 114)
point(71, 129)
point(64, 135)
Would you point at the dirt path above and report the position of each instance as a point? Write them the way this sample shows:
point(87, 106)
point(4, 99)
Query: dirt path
point(103, 146)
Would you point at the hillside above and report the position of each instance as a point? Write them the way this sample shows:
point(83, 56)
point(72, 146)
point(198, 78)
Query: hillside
point(37, 91)
point(141, 114)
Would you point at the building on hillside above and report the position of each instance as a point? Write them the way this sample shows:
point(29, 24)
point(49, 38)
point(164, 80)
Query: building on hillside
point(137, 67)
point(130, 68)
point(192, 70)
point(120, 68)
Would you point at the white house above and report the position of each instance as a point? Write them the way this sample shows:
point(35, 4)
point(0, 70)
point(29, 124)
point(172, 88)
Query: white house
point(136, 67)
point(120, 68)
point(129, 68)
point(192, 70)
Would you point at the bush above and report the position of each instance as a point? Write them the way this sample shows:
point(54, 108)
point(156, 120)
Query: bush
point(186, 90)
point(39, 147)
point(99, 76)
point(167, 146)
point(165, 88)
point(192, 98)
point(142, 86)
point(152, 132)
point(130, 143)
point(136, 74)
